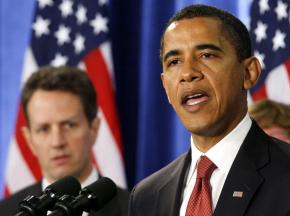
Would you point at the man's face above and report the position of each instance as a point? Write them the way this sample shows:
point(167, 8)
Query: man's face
point(60, 135)
point(203, 78)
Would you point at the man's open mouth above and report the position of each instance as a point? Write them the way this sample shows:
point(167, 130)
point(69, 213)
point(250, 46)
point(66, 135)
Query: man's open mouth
point(194, 98)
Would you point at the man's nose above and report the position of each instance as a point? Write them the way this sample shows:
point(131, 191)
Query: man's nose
point(191, 72)
point(58, 138)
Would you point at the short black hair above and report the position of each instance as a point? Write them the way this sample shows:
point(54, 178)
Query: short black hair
point(63, 78)
point(238, 34)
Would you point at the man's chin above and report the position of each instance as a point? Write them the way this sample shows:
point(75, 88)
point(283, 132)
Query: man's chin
point(61, 174)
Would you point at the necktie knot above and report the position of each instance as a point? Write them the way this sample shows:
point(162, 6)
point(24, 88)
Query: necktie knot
point(205, 168)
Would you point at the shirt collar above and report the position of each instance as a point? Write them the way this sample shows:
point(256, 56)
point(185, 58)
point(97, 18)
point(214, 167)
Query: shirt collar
point(224, 152)
point(89, 180)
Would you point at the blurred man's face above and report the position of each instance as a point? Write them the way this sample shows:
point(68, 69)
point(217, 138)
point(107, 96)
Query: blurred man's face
point(60, 135)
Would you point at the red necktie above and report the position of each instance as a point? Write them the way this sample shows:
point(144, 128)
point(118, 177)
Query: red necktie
point(200, 202)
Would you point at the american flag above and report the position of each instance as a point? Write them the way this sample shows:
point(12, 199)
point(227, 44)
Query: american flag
point(270, 33)
point(71, 32)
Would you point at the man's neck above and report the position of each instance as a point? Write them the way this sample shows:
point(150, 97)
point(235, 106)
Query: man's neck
point(93, 176)
point(205, 142)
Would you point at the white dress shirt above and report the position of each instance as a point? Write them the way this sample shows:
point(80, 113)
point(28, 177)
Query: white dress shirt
point(89, 180)
point(222, 155)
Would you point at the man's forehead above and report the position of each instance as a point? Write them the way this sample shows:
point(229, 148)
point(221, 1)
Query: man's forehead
point(49, 106)
point(207, 31)
point(199, 28)
point(193, 21)
point(172, 26)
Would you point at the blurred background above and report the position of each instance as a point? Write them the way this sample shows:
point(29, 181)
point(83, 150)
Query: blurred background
point(151, 133)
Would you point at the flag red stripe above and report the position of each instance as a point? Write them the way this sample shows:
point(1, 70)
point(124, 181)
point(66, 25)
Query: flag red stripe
point(6, 191)
point(99, 74)
point(29, 158)
point(287, 64)
point(260, 93)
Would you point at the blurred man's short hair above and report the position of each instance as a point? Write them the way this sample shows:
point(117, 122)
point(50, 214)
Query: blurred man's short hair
point(63, 78)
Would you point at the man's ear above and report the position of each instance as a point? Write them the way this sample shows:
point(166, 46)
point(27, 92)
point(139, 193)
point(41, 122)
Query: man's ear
point(27, 135)
point(95, 128)
point(252, 72)
point(164, 86)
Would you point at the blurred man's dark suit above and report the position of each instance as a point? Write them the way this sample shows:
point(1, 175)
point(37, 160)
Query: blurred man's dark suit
point(261, 171)
point(116, 207)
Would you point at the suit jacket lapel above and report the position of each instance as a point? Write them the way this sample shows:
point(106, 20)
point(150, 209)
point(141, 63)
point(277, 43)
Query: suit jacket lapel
point(244, 177)
point(169, 194)
point(37, 189)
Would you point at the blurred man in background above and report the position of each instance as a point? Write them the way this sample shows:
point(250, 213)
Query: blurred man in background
point(62, 126)
point(273, 117)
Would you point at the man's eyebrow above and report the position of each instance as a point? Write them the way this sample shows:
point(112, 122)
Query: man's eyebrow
point(170, 53)
point(198, 47)
point(69, 119)
point(208, 46)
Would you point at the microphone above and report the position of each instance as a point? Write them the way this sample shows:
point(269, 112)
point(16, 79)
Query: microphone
point(93, 197)
point(32, 205)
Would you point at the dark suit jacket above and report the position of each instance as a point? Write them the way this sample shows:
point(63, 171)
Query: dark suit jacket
point(118, 206)
point(261, 170)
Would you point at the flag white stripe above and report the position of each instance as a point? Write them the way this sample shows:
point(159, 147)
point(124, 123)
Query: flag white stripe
point(29, 65)
point(249, 98)
point(18, 173)
point(106, 51)
point(107, 153)
point(277, 85)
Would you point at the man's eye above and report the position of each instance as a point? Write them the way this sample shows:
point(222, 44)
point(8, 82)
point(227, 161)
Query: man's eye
point(173, 62)
point(42, 130)
point(207, 55)
point(70, 125)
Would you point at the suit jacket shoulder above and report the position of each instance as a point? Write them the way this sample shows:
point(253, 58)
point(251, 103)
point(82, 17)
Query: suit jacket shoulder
point(261, 171)
point(159, 194)
point(118, 206)
point(9, 206)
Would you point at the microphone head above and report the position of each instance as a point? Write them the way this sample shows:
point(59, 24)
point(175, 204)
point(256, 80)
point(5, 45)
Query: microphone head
point(101, 192)
point(67, 185)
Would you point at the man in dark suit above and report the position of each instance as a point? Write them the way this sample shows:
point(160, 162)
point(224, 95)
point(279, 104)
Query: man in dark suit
point(62, 124)
point(232, 168)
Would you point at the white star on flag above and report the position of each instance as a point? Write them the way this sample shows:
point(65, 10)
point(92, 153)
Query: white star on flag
point(99, 24)
point(41, 26)
point(264, 6)
point(260, 31)
point(279, 40)
point(281, 10)
point(62, 35)
point(260, 57)
point(43, 3)
point(81, 14)
point(59, 60)
point(66, 8)
point(79, 43)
